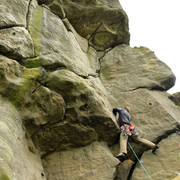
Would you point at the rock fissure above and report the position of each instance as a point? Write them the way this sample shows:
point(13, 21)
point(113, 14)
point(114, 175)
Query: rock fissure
point(37, 87)
point(9, 26)
point(27, 14)
point(93, 34)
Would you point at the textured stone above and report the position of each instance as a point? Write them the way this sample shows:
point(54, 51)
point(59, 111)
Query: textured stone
point(91, 163)
point(88, 114)
point(54, 45)
point(164, 165)
point(46, 105)
point(13, 13)
point(24, 88)
point(131, 68)
point(55, 7)
point(154, 115)
point(10, 74)
point(16, 161)
point(81, 41)
point(16, 43)
point(93, 20)
point(123, 170)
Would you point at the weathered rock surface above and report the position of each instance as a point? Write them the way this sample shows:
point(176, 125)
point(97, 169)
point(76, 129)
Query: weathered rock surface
point(128, 68)
point(63, 66)
point(10, 73)
point(165, 164)
point(16, 43)
point(91, 163)
point(93, 20)
point(16, 160)
point(88, 114)
point(24, 88)
point(55, 47)
point(13, 13)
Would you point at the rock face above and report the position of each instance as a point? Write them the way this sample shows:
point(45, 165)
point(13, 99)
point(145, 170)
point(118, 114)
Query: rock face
point(91, 162)
point(63, 66)
point(16, 42)
point(16, 159)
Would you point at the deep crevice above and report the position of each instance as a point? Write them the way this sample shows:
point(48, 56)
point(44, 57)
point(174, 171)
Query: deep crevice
point(27, 14)
point(38, 85)
point(93, 34)
point(10, 54)
point(10, 26)
point(95, 75)
point(158, 88)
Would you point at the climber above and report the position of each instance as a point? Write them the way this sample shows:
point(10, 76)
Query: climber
point(126, 129)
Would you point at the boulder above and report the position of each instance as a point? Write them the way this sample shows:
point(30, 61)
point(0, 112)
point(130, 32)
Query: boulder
point(13, 13)
point(126, 69)
point(91, 163)
point(55, 46)
point(16, 43)
point(93, 20)
point(164, 165)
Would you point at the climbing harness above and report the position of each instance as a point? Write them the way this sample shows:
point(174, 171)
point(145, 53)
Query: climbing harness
point(139, 160)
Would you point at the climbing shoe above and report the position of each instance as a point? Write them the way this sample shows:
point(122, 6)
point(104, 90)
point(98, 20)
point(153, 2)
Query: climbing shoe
point(121, 155)
point(155, 149)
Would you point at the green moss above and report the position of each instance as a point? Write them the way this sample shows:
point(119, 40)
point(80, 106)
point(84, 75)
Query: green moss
point(36, 28)
point(176, 94)
point(141, 49)
point(150, 60)
point(29, 76)
point(3, 175)
point(32, 63)
point(178, 104)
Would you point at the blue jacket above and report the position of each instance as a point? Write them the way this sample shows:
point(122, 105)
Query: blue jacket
point(124, 117)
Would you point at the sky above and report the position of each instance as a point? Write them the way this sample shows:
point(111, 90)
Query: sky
point(156, 24)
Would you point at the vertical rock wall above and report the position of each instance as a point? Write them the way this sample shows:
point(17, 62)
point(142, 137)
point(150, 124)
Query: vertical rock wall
point(63, 66)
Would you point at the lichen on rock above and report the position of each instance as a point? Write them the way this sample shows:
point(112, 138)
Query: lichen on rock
point(176, 98)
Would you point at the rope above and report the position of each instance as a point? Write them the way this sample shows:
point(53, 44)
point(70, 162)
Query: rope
point(139, 160)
